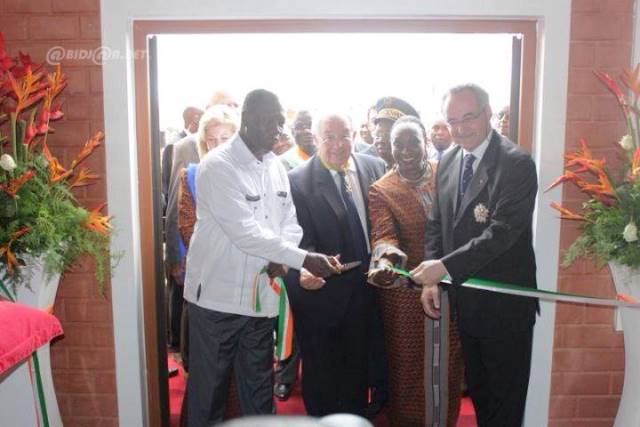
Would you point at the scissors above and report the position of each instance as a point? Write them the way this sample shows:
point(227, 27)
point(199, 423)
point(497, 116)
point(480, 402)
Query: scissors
point(350, 266)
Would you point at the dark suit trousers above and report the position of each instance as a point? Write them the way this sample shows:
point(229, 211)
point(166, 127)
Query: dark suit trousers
point(497, 374)
point(218, 341)
point(175, 310)
point(334, 358)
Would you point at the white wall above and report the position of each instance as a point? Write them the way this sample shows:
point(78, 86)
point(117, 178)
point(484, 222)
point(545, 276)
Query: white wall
point(550, 106)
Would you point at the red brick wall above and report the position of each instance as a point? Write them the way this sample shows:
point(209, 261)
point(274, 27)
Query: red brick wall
point(588, 357)
point(83, 361)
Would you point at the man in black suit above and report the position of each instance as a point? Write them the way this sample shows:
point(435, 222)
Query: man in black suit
point(330, 195)
point(191, 117)
point(480, 226)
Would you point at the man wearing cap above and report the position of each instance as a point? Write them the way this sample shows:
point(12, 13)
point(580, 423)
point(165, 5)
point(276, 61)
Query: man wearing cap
point(388, 110)
point(331, 315)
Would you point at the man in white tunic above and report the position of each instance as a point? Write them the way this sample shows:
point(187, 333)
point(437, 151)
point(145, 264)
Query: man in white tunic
point(246, 230)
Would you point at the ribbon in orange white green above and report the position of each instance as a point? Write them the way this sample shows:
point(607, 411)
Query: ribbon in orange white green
point(506, 288)
point(284, 342)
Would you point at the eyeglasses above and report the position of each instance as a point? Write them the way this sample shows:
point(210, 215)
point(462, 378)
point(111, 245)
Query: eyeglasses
point(465, 120)
point(331, 138)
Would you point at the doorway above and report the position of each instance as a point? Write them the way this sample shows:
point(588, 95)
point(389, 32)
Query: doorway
point(376, 36)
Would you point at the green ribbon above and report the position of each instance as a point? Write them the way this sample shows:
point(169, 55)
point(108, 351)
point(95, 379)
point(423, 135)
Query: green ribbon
point(508, 288)
point(40, 388)
point(7, 292)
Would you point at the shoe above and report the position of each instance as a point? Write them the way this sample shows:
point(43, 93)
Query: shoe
point(378, 401)
point(282, 391)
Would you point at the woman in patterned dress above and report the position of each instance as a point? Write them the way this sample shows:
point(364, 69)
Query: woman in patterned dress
point(424, 356)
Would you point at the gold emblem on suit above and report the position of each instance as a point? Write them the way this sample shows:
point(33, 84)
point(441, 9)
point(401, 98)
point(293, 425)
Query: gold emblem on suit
point(347, 182)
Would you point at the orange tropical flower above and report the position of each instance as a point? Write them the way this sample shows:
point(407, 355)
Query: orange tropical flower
point(596, 167)
point(614, 88)
point(89, 146)
point(57, 82)
point(631, 78)
point(98, 222)
point(601, 190)
point(83, 177)
point(584, 159)
point(26, 90)
point(634, 172)
point(13, 186)
point(582, 153)
point(5, 250)
point(56, 171)
point(568, 176)
point(19, 233)
point(566, 213)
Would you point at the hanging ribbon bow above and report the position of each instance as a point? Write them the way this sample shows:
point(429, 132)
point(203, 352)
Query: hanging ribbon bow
point(284, 342)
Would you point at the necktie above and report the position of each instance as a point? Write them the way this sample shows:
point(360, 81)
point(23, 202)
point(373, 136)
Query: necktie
point(467, 173)
point(358, 240)
point(438, 155)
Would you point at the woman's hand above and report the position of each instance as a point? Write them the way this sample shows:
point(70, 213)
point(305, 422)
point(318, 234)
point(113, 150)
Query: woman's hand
point(383, 276)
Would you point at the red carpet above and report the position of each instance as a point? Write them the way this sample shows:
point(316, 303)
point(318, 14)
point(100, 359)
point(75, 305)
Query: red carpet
point(176, 392)
point(294, 405)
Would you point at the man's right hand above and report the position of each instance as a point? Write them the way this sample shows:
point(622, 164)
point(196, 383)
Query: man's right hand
point(430, 300)
point(321, 265)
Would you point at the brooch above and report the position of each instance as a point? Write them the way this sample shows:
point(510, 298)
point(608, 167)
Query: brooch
point(481, 213)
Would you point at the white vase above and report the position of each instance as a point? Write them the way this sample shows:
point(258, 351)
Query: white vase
point(18, 397)
point(627, 281)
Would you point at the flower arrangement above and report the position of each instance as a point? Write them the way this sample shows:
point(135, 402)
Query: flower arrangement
point(611, 213)
point(39, 213)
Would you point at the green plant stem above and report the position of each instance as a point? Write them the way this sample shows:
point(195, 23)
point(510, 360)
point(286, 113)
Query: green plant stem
point(631, 130)
point(14, 136)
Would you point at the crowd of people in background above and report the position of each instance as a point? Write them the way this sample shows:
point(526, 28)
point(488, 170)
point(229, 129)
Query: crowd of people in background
point(309, 218)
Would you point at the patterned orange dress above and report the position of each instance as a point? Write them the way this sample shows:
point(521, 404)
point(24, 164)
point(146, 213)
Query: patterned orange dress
point(424, 356)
